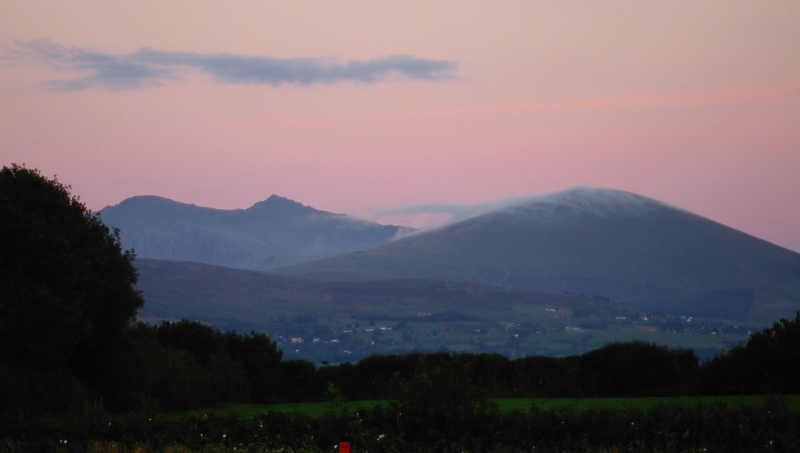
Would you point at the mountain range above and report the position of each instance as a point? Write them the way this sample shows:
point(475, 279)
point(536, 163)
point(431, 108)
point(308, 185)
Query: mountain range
point(271, 233)
point(603, 243)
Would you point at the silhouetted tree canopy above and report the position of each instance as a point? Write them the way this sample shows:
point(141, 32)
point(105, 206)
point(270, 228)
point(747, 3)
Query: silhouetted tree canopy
point(66, 285)
point(636, 367)
point(768, 363)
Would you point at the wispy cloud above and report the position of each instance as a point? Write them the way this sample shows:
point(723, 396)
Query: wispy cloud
point(148, 67)
point(434, 215)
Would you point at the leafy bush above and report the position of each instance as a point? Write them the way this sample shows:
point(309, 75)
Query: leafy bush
point(442, 402)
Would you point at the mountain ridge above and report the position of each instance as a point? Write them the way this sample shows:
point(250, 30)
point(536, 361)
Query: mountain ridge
point(270, 233)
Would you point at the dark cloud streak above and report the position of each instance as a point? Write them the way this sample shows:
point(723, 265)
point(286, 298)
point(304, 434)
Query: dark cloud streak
point(148, 67)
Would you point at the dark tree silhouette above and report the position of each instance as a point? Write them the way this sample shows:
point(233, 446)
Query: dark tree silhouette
point(260, 358)
point(768, 363)
point(66, 285)
point(442, 402)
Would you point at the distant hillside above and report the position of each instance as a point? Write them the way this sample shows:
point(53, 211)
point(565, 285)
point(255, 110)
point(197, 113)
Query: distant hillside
point(271, 233)
point(183, 289)
point(623, 246)
point(345, 321)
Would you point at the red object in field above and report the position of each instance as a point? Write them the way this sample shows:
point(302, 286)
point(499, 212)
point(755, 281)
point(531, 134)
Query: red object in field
point(344, 447)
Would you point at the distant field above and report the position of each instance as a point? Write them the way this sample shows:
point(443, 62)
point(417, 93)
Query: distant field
point(507, 405)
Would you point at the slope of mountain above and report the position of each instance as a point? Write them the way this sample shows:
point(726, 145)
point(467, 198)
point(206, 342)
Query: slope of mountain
point(344, 321)
point(185, 289)
point(632, 249)
point(271, 233)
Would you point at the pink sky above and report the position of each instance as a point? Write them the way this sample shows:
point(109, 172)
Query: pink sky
point(696, 104)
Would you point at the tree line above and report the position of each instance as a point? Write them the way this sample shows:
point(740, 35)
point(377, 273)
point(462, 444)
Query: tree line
point(186, 365)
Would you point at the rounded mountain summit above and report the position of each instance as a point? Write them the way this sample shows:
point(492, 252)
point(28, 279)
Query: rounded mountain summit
point(611, 243)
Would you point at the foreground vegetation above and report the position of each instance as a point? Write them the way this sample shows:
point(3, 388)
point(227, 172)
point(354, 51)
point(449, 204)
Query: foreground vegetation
point(770, 425)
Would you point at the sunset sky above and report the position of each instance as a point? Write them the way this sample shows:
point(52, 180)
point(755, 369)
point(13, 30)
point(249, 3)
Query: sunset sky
point(359, 107)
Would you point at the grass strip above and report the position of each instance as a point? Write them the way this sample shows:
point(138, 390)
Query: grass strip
point(506, 405)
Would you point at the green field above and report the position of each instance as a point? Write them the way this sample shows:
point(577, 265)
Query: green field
point(506, 405)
